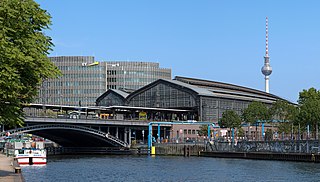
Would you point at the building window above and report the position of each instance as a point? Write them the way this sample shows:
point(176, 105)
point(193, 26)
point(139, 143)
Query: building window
point(185, 131)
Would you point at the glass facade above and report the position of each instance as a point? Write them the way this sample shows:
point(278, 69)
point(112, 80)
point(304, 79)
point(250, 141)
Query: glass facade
point(84, 79)
point(133, 75)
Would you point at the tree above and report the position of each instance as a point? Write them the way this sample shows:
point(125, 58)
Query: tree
point(285, 113)
point(309, 105)
point(269, 135)
point(203, 130)
point(256, 111)
point(23, 56)
point(230, 119)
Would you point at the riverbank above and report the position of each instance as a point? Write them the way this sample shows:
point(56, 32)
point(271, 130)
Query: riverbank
point(265, 156)
point(7, 171)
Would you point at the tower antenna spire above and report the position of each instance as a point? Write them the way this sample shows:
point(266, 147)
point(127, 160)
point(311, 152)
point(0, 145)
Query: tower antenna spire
point(266, 69)
point(267, 48)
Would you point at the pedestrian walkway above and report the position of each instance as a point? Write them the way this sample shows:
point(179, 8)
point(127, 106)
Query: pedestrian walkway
point(6, 170)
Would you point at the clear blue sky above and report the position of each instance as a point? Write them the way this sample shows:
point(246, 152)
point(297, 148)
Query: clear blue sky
point(207, 39)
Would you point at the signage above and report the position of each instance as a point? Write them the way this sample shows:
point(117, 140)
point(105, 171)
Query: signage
point(142, 116)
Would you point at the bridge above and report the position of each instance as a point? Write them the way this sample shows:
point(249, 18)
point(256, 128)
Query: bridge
point(123, 130)
point(68, 135)
point(73, 126)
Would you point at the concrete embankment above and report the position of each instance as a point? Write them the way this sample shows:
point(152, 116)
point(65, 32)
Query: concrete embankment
point(172, 149)
point(9, 170)
point(299, 157)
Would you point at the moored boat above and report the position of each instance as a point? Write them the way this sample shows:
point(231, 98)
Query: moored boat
point(30, 153)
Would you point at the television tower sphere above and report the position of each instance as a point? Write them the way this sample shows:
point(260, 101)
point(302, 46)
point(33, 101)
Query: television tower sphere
point(266, 70)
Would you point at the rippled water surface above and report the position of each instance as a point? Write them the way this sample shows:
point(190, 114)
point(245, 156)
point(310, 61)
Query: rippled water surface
point(162, 168)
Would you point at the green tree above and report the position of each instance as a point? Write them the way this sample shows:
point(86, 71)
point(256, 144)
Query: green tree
point(285, 113)
point(269, 135)
point(23, 56)
point(256, 111)
point(241, 132)
point(230, 119)
point(309, 105)
point(203, 130)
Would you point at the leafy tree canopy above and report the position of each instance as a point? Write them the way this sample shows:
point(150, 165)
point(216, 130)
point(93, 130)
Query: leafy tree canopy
point(23, 56)
point(256, 111)
point(283, 110)
point(309, 104)
point(230, 119)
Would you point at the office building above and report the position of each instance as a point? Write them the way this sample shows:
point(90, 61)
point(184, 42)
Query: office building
point(84, 79)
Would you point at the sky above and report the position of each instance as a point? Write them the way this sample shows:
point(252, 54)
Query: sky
point(206, 39)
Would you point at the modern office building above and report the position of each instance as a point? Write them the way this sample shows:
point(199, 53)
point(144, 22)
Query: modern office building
point(84, 79)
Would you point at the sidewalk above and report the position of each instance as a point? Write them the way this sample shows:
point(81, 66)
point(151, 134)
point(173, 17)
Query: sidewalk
point(6, 170)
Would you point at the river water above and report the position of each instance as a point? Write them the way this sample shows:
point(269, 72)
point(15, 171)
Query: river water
point(164, 168)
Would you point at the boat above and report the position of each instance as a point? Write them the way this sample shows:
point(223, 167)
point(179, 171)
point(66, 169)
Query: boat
point(30, 153)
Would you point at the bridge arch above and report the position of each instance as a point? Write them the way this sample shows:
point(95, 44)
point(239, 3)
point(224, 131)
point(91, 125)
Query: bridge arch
point(71, 135)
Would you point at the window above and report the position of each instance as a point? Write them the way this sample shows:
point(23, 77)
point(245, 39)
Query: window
point(185, 131)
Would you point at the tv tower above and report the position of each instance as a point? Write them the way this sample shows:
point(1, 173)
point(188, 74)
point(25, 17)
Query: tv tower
point(266, 69)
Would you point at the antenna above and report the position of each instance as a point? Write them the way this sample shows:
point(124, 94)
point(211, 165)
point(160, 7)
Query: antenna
point(267, 55)
point(266, 69)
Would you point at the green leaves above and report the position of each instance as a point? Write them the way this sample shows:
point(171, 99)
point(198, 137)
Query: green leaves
point(230, 119)
point(309, 105)
point(23, 56)
point(256, 111)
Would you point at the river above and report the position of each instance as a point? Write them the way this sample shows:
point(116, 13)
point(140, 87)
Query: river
point(164, 168)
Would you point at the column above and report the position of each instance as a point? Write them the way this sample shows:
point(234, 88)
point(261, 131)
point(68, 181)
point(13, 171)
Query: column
point(129, 136)
point(125, 139)
point(117, 132)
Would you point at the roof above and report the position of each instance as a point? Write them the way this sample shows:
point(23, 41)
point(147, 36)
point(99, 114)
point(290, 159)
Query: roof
point(225, 89)
point(121, 93)
point(198, 90)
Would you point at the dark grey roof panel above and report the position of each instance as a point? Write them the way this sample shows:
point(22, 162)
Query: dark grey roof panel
point(120, 92)
point(200, 91)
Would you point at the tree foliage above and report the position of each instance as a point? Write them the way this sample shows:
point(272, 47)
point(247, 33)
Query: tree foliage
point(283, 111)
point(23, 56)
point(309, 104)
point(203, 130)
point(256, 111)
point(230, 119)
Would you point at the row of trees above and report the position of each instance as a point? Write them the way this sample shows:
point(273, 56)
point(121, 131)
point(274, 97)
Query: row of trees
point(291, 117)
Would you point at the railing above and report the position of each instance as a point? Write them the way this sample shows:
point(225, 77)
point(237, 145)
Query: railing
point(285, 146)
point(87, 121)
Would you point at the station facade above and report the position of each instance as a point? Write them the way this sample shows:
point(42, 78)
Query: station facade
point(202, 100)
point(188, 99)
